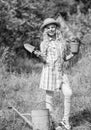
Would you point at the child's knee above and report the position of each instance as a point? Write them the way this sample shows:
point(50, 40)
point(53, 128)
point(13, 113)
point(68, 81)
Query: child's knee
point(67, 91)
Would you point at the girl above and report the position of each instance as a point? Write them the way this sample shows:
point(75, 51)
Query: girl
point(52, 78)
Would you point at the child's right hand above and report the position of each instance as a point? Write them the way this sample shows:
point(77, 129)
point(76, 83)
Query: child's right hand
point(37, 53)
point(40, 54)
point(69, 56)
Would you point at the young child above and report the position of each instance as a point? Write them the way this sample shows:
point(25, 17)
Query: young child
point(52, 78)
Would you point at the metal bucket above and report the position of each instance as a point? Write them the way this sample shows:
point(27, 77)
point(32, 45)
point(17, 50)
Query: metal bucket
point(74, 47)
point(40, 119)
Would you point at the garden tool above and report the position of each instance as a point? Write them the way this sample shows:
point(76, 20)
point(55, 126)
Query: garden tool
point(32, 49)
point(29, 47)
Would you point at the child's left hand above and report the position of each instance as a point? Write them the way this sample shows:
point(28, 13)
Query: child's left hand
point(69, 56)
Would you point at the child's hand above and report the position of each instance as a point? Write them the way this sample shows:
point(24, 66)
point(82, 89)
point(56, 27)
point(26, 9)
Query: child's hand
point(69, 56)
point(37, 53)
point(41, 55)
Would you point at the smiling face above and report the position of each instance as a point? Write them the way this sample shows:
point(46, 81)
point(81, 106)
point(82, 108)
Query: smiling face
point(51, 30)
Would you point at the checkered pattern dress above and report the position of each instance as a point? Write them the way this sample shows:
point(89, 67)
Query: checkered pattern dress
point(52, 73)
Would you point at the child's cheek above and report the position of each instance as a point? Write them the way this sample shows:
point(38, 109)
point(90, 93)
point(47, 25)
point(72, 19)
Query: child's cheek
point(46, 30)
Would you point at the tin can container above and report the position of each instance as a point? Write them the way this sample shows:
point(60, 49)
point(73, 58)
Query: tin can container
point(74, 47)
point(40, 119)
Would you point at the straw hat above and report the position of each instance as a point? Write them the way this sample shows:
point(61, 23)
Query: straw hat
point(49, 21)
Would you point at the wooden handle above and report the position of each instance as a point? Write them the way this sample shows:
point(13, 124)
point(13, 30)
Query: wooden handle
point(23, 117)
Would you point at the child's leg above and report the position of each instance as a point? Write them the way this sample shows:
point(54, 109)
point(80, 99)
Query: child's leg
point(49, 101)
point(67, 98)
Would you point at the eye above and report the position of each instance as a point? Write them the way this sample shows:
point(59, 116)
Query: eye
point(53, 27)
point(48, 27)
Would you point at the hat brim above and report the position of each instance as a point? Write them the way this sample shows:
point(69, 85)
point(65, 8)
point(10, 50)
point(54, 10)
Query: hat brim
point(44, 25)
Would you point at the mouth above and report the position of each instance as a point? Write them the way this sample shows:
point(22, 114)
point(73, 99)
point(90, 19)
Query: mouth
point(51, 32)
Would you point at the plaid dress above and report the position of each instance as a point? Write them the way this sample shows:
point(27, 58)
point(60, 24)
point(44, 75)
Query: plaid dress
point(52, 74)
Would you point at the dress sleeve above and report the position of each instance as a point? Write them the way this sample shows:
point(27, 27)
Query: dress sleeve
point(43, 49)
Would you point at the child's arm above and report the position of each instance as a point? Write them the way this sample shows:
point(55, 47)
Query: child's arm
point(40, 55)
point(67, 55)
point(43, 51)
